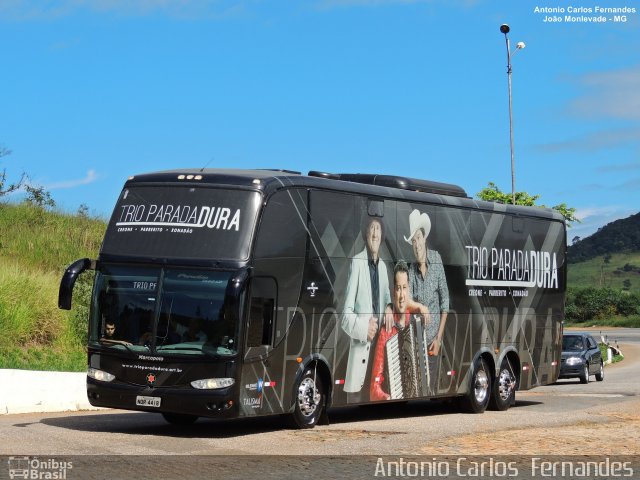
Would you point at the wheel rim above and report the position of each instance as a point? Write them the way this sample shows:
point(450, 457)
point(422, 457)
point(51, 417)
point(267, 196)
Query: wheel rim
point(601, 371)
point(586, 372)
point(481, 386)
point(308, 397)
point(505, 385)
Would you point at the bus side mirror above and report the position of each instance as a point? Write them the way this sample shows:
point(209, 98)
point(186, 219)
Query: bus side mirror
point(69, 279)
point(236, 284)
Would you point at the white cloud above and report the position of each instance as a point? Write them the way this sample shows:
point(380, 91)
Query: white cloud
point(594, 141)
point(626, 167)
point(584, 213)
point(607, 94)
point(29, 10)
point(89, 178)
point(24, 10)
point(593, 218)
point(362, 3)
point(327, 4)
point(613, 94)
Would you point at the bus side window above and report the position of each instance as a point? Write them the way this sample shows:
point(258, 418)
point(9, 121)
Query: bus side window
point(279, 253)
point(261, 312)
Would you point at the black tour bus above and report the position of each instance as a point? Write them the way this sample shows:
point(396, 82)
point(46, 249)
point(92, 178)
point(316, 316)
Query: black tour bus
point(235, 293)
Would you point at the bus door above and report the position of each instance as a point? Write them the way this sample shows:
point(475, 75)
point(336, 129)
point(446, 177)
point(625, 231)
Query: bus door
point(259, 387)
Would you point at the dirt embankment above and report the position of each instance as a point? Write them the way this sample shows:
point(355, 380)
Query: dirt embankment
point(619, 436)
point(614, 430)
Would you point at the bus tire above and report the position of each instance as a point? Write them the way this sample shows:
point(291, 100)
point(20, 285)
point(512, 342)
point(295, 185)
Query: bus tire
point(179, 418)
point(503, 392)
point(309, 400)
point(477, 399)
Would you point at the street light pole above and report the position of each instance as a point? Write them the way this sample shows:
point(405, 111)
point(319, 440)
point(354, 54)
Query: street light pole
point(505, 30)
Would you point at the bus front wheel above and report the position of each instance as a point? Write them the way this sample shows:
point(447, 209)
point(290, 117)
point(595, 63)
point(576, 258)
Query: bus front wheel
point(477, 399)
point(309, 400)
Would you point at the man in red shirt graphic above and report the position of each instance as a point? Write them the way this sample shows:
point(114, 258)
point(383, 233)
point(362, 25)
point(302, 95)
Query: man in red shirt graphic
point(401, 319)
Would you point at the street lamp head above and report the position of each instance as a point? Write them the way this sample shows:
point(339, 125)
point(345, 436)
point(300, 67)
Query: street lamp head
point(504, 28)
point(520, 45)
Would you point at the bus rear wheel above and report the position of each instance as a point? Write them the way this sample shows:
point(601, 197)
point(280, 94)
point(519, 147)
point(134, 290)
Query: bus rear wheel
point(308, 399)
point(477, 399)
point(179, 418)
point(503, 393)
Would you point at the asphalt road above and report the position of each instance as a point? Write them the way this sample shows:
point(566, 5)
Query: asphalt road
point(402, 428)
point(415, 428)
point(629, 336)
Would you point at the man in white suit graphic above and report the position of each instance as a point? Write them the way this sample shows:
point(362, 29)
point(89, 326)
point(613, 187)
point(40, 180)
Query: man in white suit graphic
point(366, 296)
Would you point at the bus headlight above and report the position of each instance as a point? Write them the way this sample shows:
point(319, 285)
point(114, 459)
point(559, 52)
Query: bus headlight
point(574, 361)
point(212, 383)
point(100, 375)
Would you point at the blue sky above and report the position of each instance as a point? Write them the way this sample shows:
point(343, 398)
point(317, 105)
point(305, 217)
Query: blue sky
point(93, 91)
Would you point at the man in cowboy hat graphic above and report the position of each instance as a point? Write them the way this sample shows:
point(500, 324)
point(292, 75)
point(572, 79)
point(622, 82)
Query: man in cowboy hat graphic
point(428, 288)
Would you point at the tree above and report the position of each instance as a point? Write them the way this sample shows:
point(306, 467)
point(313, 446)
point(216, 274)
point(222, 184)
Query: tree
point(83, 210)
point(575, 240)
point(7, 188)
point(492, 193)
point(38, 196)
point(35, 195)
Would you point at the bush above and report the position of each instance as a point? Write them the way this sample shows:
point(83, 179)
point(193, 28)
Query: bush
point(36, 245)
point(599, 303)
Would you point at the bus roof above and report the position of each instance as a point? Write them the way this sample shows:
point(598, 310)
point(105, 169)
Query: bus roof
point(269, 180)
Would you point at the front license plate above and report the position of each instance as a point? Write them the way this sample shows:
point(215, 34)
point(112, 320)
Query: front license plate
point(148, 401)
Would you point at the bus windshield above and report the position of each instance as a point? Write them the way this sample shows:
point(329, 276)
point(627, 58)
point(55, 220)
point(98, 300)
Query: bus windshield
point(162, 310)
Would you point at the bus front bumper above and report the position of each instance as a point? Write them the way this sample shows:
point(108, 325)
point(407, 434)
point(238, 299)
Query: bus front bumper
point(220, 403)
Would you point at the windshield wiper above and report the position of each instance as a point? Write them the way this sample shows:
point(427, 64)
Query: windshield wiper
point(111, 341)
point(173, 347)
point(124, 343)
point(177, 348)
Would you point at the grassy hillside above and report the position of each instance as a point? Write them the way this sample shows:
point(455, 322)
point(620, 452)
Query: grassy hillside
point(599, 273)
point(616, 237)
point(35, 247)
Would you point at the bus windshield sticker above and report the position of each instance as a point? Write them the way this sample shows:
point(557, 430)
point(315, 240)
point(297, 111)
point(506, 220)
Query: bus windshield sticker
point(182, 223)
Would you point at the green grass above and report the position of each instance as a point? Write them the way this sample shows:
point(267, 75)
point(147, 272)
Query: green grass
point(41, 358)
point(605, 354)
point(35, 247)
point(597, 273)
point(632, 321)
point(47, 241)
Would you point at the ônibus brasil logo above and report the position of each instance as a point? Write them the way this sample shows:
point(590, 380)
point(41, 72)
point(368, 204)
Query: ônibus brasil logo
point(34, 468)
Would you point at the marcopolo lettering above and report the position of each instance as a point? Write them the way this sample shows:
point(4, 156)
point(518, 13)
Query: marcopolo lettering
point(168, 215)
